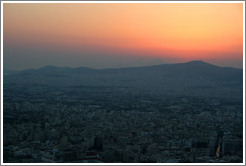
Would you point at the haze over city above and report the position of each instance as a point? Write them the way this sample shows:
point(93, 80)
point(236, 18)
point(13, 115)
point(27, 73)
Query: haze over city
point(121, 35)
point(123, 83)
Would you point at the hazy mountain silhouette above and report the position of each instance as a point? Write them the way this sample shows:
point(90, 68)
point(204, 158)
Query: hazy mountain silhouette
point(160, 78)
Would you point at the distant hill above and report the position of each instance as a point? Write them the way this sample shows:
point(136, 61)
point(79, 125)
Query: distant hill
point(194, 76)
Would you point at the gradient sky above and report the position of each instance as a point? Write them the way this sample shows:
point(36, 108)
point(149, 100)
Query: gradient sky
point(121, 35)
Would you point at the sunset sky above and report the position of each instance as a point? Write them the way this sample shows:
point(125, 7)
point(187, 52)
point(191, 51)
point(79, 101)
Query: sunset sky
point(121, 34)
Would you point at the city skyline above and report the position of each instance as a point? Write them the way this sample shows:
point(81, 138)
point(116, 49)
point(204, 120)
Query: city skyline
point(150, 82)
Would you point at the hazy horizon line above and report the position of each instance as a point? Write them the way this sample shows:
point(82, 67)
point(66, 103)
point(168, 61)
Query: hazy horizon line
point(120, 67)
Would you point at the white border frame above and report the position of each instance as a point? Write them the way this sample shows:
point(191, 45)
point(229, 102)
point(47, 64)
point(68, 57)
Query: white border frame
point(4, 2)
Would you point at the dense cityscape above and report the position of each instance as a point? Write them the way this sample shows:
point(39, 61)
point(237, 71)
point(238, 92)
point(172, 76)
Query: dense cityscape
point(123, 82)
point(64, 126)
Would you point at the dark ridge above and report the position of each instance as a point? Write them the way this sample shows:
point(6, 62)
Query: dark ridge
point(196, 63)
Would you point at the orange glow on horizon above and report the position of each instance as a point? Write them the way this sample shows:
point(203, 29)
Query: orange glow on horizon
point(185, 30)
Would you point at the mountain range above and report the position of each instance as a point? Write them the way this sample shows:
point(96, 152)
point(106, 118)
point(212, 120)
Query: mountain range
point(191, 77)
